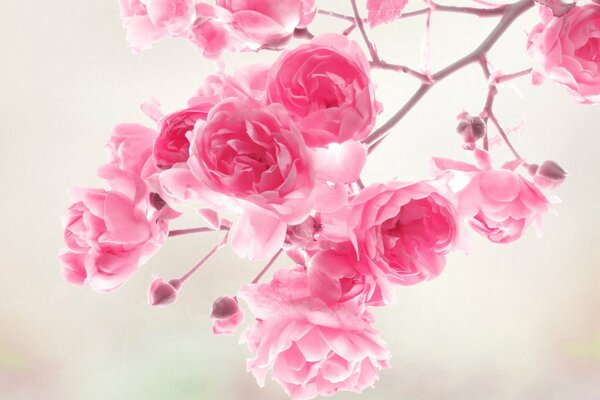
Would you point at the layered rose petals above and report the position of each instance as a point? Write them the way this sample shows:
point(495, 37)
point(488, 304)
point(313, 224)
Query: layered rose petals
point(326, 88)
point(109, 234)
point(566, 50)
point(311, 348)
point(252, 152)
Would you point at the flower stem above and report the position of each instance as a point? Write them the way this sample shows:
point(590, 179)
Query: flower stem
point(510, 14)
point(184, 277)
point(188, 231)
point(266, 268)
point(363, 32)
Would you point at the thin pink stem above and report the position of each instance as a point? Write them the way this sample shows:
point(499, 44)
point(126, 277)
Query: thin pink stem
point(337, 15)
point(510, 77)
point(504, 136)
point(266, 268)
point(188, 231)
point(479, 12)
point(511, 13)
point(184, 277)
point(349, 29)
point(401, 68)
point(361, 28)
point(360, 184)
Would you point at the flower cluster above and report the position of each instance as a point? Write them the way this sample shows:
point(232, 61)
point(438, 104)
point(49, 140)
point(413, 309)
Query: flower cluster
point(281, 147)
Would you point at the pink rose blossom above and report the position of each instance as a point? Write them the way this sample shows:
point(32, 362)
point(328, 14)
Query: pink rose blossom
point(311, 348)
point(326, 87)
point(110, 234)
point(566, 50)
point(336, 275)
point(208, 34)
point(226, 316)
point(247, 82)
point(499, 203)
point(252, 152)
point(130, 149)
point(172, 145)
point(405, 231)
point(147, 21)
point(267, 24)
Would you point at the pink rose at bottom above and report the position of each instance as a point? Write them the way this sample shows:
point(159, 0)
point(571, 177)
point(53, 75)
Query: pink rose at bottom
point(311, 348)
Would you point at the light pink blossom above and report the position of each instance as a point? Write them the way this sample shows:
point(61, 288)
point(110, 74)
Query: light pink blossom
point(311, 348)
point(566, 50)
point(147, 21)
point(172, 145)
point(499, 204)
point(326, 88)
point(130, 149)
point(253, 152)
point(404, 230)
point(267, 24)
point(109, 234)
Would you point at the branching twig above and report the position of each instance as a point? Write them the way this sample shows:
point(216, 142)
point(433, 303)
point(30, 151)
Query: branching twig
point(510, 14)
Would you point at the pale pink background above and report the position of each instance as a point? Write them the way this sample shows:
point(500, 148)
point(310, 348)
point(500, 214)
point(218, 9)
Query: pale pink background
point(506, 322)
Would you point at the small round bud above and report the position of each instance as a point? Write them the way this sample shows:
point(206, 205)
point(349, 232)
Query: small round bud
point(162, 294)
point(471, 128)
point(226, 315)
point(156, 201)
point(224, 307)
point(550, 175)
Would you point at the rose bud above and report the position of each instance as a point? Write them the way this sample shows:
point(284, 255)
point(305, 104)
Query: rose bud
point(162, 294)
point(472, 128)
point(226, 315)
point(549, 175)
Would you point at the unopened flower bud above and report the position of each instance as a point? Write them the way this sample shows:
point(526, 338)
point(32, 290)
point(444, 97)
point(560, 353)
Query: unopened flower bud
point(226, 315)
point(472, 128)
point(550, 175)
point(162, 294)
point(156, 201)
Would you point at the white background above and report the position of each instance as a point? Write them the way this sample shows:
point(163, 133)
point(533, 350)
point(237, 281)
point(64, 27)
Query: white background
point(506, 322)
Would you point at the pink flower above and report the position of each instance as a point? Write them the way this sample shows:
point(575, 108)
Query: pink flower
point(109, 234)
point(337, 275)
point(172, 145)
point(403, 229)
point(130, 149)
point(326, 87)
point(147, 21)
point(566, 50)
point(252, 152)
point(208, 33)
point(267, 24)
point(226, 315)
point(499, 203)
point(311, 348)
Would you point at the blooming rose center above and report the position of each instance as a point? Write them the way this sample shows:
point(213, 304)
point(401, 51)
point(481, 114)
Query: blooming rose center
point(419, 226)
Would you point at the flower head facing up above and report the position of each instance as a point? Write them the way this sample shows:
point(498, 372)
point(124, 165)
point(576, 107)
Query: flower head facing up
point(325, 85)
point(250, 151)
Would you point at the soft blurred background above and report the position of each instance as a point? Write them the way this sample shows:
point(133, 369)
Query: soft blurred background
point(506, 322)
